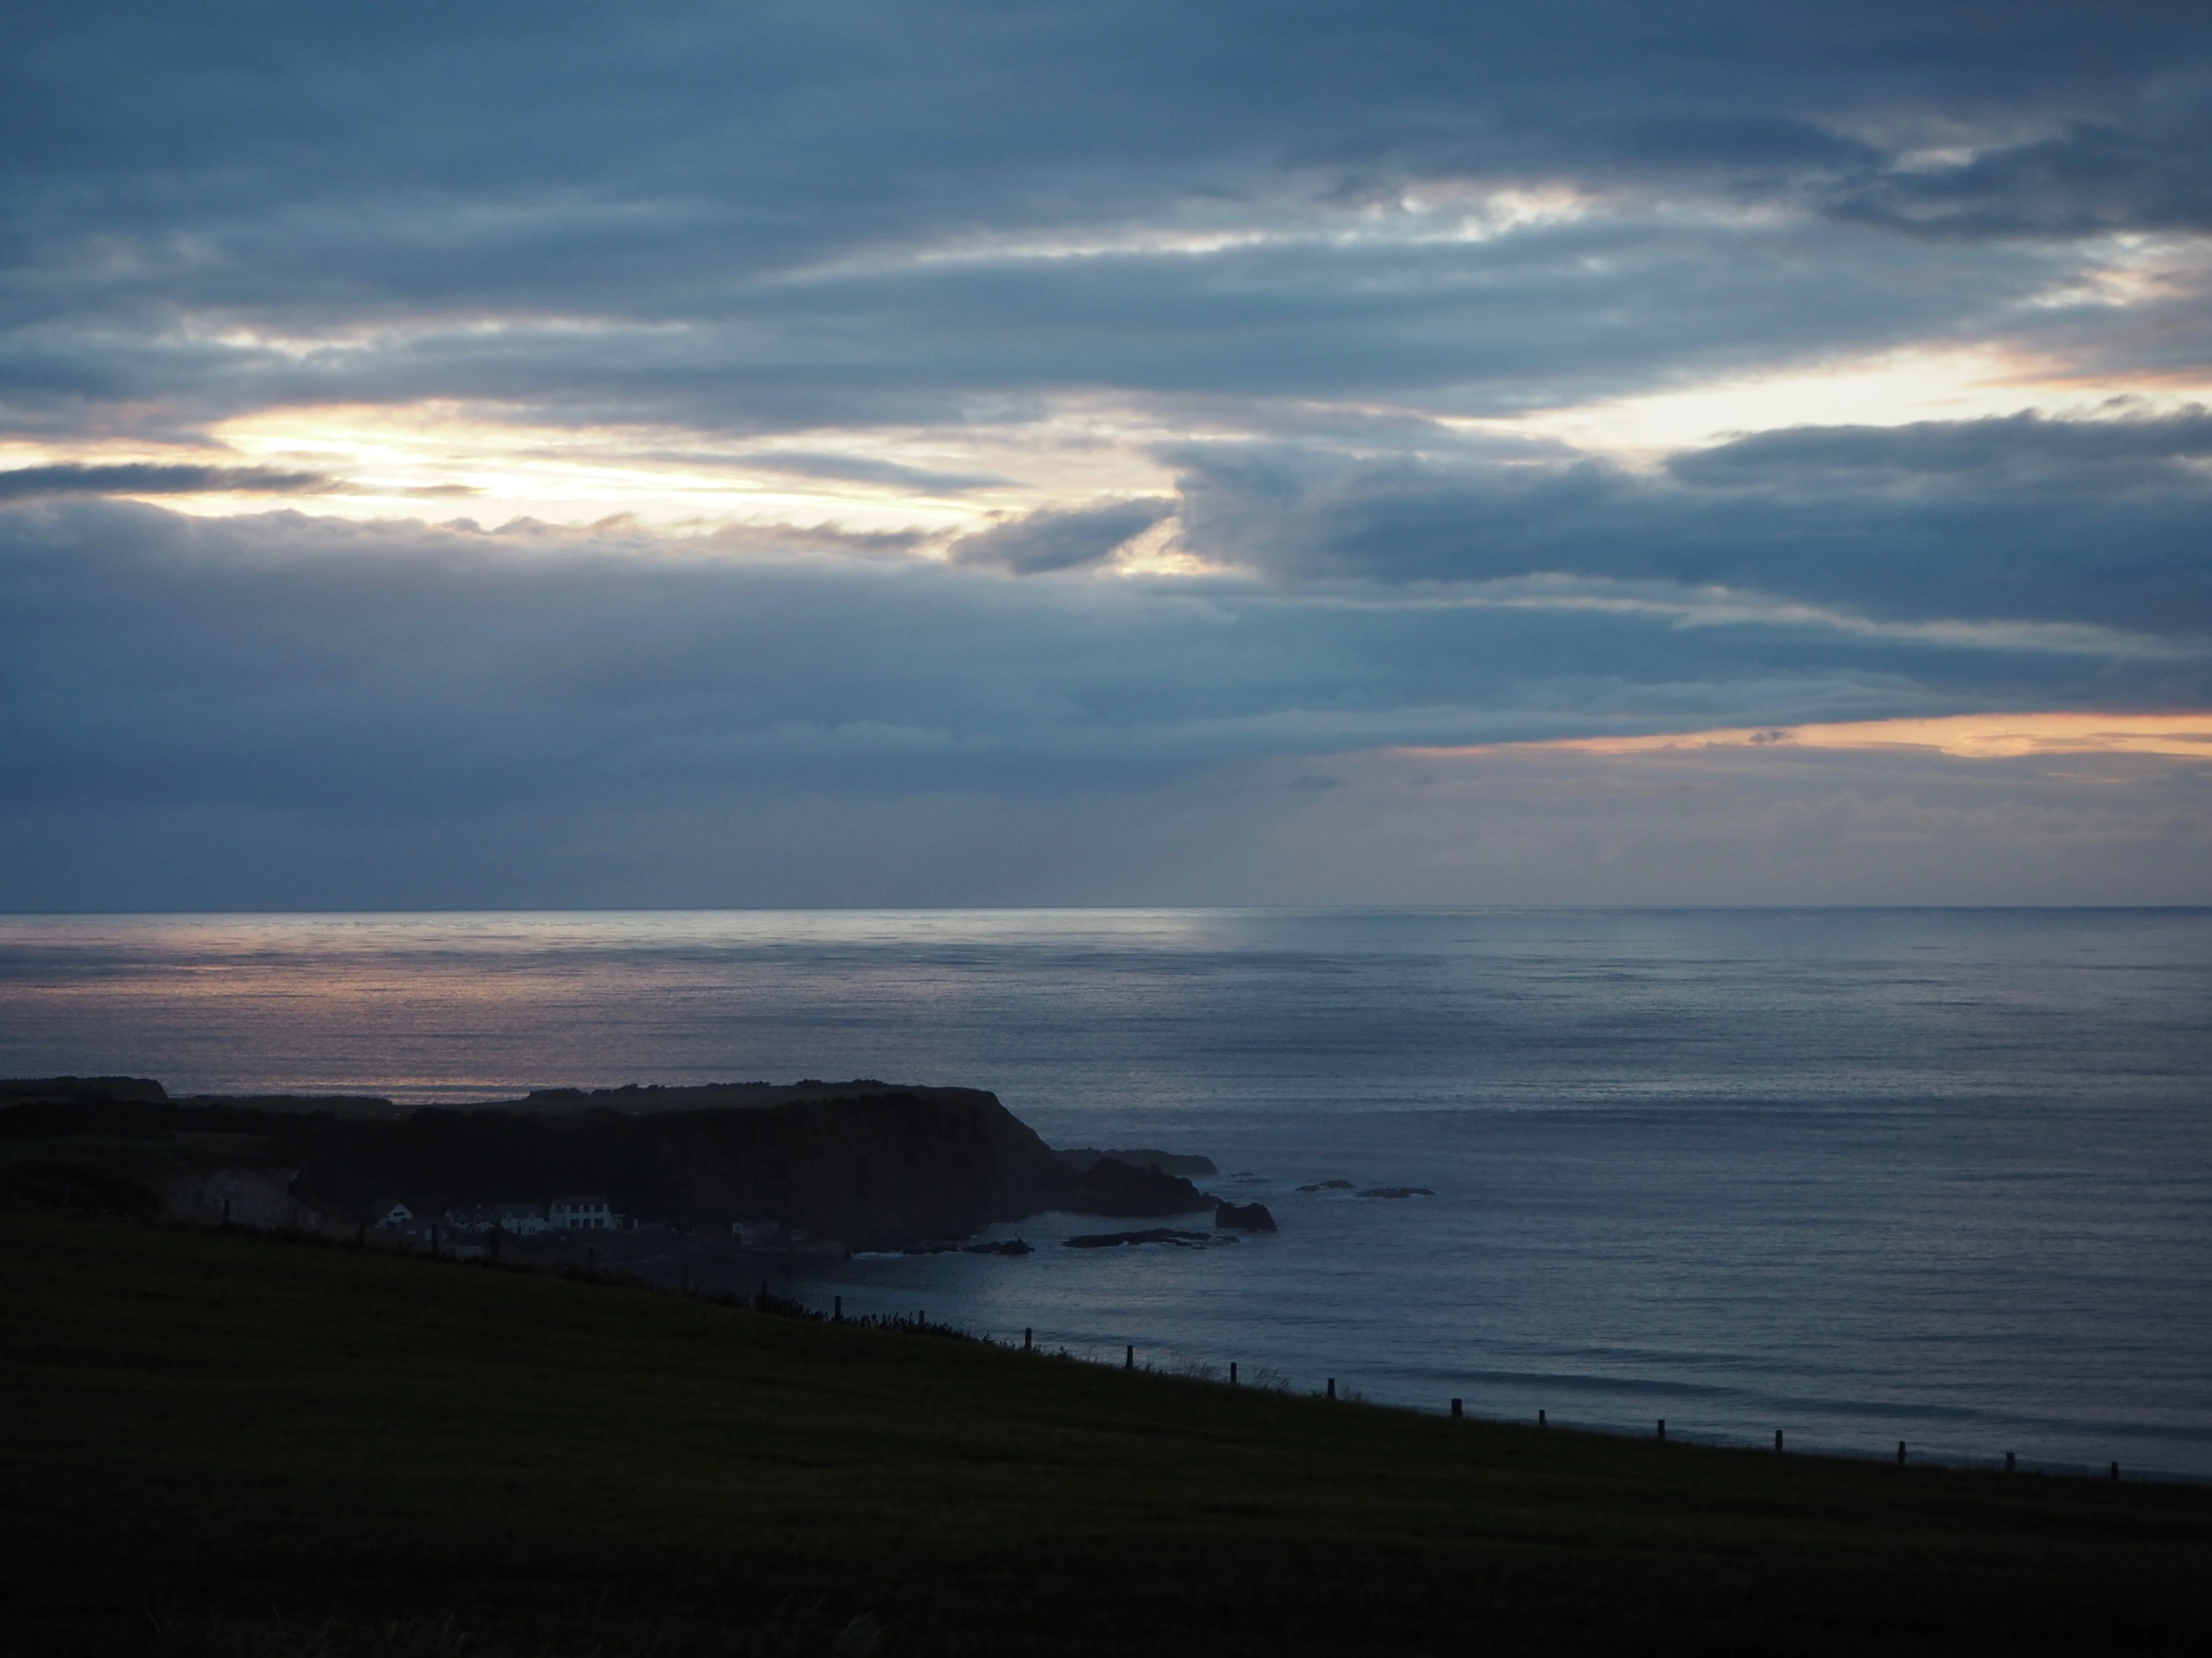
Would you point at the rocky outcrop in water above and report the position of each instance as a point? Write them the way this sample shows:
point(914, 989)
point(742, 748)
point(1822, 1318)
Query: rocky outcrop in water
point(1243, 1217)
point(1110, 1186)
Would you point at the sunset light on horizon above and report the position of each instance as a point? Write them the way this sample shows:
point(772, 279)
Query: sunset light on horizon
point(1980, 737)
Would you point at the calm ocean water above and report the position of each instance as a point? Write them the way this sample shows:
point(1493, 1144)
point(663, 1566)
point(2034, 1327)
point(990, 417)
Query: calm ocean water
point(1942, 1176)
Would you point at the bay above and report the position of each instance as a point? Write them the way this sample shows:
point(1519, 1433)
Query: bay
point(1942, 1176)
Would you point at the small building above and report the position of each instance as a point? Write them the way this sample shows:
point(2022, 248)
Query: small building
point(523, 1220)
point(399, 1215)
point(580, 1215)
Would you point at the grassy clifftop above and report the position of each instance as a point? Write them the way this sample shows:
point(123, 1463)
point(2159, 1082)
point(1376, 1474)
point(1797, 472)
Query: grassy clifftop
point(219, 1443)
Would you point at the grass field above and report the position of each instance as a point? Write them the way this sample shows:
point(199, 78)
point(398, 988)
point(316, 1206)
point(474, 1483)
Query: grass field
point(223, 1443)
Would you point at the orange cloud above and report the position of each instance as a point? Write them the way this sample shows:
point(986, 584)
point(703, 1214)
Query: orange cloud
point(1972, 735)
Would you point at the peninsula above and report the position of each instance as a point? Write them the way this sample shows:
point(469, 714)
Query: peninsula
point(859, 1165)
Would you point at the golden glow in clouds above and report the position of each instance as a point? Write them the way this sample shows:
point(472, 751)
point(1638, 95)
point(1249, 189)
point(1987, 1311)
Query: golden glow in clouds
point(1969, 736)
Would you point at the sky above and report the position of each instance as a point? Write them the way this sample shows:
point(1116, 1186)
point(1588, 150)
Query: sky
point(499, 454)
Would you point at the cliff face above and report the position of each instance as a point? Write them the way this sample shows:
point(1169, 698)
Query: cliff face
point(862, 1165)
point(866, 1168)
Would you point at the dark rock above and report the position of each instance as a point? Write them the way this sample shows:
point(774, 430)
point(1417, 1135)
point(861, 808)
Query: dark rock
point(1328, 1186)
point(1155, 1235)
point(1005, 1247)
point(1244, 1218)
point(1397, 1191)
point(1080, 1158)
point(1110, 1186)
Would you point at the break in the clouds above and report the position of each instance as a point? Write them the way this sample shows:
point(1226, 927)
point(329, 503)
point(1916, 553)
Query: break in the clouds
point(954, 452)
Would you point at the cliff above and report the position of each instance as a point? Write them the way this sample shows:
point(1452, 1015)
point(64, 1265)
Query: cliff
point(861, 1162)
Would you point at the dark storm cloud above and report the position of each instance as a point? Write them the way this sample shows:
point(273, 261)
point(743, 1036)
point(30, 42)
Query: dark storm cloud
point(729, 173)
point(397, 714)
point(150, 480)
point(406, 670)
point(2016, 520)
point(1577, 309)
point(2097, 178)
point(1042, 541)
point(2021, 450)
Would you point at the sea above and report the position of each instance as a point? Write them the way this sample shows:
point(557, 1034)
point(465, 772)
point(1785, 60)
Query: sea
point(1940, 1177)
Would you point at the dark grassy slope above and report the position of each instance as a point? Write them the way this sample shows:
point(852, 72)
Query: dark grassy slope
point(229, 1441)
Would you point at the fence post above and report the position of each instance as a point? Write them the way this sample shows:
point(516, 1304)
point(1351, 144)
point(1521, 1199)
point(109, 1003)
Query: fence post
point(1129, 1357)
point(2008, 1461)
point(837, 1309)
point(1456, 1411)
point(1778, 1439)
point(1662, 1430)
point(2116, 1471)
point(1332, 1386)
point(1233, 1382)
point(1029, 1338)
point(1900, 1453)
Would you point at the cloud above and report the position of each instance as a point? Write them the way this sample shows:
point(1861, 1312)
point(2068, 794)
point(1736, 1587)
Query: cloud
point(2016, 519)
point(403, 692)
point(859, 469)
point(1317, 265)
point(1044, 542)
point(2021, 450)
point(2097, 178)
point(135, 479)
point(755, 221)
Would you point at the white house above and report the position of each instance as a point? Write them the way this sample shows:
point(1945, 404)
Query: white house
point(579, 1215)
point(522, 1219)
point(399, 1215)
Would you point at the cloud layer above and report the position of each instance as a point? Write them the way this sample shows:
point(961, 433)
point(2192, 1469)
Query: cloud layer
point(323, 712)
point(1077, 447)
